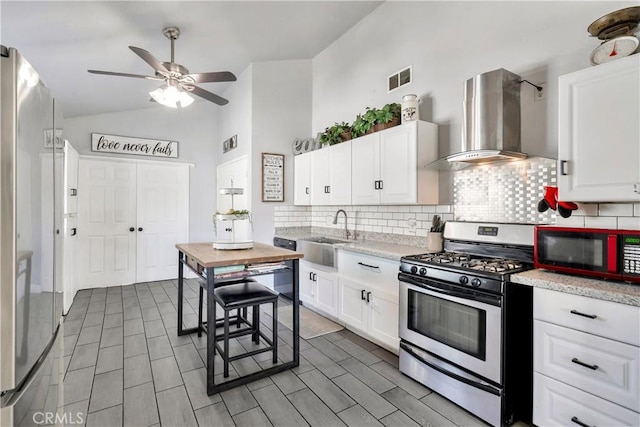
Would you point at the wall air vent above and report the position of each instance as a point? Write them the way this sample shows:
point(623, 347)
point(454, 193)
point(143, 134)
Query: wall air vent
point(398, 79)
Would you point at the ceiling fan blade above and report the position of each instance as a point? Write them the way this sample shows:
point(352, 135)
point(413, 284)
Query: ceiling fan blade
point(206, 94)
point(149, 59)
point(219, 76)
point(111, 73)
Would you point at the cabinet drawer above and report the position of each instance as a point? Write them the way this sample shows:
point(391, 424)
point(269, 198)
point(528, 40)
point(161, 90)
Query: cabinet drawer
point(606, 368)
point(557, 404)
point(373, 271)
point(612, 320)
point(194, 264)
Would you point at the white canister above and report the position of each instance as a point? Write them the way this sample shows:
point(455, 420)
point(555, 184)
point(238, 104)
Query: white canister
point(410, 108)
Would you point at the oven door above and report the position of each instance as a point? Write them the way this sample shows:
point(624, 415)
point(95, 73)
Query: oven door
point(462, 326)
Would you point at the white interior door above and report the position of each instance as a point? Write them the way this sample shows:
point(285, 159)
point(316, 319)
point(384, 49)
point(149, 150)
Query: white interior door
point(162, 219)
point(106, 213)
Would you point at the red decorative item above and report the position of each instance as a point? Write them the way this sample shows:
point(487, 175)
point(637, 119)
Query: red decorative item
point(551, 201)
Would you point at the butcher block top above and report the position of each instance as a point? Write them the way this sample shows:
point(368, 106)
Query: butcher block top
point(206, 256)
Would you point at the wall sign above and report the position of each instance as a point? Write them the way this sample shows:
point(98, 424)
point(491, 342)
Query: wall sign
point(272, 177)
point(53, 136)
point(135, 146)
point(230, 144)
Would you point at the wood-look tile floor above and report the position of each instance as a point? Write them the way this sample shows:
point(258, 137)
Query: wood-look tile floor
point(126, 366)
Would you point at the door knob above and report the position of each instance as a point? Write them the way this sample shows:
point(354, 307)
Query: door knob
point(140, 228)
point(132, 229)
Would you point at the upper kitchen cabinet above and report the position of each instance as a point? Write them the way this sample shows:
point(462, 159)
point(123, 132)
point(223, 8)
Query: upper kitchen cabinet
point(323, 177)
point(388, 167)
point(599, 133)
point(302, 179)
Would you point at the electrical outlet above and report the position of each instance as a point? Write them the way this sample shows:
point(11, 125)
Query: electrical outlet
point(539, 95)
point(411, 223)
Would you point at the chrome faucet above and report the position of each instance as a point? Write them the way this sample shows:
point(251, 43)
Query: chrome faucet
point(335, 221)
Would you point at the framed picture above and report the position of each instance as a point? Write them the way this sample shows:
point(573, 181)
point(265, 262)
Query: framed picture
point(272, 177)
point(51, 136)
point(230, 144)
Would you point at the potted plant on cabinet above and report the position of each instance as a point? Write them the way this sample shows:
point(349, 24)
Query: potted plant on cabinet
point(344, 129)
point(331, 136)
point(363, 123)
point(388, 116)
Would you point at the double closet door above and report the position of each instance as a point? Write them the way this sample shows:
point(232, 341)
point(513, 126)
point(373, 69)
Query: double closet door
point(130, 216)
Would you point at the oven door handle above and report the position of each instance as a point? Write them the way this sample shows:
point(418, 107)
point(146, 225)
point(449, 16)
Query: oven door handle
point(488, 299)
point(443, 371)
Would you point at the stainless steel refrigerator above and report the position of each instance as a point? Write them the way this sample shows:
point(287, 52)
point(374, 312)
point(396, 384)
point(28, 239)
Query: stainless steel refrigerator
point(31, 218)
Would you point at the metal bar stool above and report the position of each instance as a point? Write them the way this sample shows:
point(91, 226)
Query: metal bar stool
point(242, 295)
point(238, 318)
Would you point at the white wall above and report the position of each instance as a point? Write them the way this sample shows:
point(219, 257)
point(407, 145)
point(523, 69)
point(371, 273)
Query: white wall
point(272, 109)
point(449, 42)
point(281, 113)
point(195, 129)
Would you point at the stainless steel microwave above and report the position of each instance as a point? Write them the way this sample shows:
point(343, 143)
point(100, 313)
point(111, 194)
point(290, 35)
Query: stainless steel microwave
point(608, 254)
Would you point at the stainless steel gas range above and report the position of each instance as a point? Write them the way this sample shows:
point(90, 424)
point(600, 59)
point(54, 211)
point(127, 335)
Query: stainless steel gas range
point(465, 330)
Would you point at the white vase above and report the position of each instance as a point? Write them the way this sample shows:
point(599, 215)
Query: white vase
point(410, 108)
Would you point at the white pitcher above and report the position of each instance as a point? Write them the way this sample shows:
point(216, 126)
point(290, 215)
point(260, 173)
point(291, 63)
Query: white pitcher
point(410, 108)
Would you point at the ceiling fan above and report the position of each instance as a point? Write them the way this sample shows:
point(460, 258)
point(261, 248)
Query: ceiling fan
point(178, 81)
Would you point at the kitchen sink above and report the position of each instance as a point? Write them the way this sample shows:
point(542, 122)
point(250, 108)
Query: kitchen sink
point(322, 239)
point(319, 250)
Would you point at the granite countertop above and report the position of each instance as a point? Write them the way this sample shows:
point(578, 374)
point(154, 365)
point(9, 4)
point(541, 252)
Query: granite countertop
point(392, 251)
point(594, 288)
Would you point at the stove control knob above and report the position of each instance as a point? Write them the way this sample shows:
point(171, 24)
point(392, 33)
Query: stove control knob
point(423, 271)
point(414, 269)
point(476, 282)
point(463, 280)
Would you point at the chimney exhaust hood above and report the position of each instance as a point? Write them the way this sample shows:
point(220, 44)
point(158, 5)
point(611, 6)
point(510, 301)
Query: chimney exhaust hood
point(491, 120)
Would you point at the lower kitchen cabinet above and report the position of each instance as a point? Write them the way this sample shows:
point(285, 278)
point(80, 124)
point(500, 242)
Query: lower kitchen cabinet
point(318, 288)
point(368, 299)
point(586, 361)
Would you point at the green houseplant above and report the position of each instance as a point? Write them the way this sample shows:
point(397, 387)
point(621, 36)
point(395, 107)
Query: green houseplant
point(363, 123)
point(331, 136)
point(387, 116)
point(344, 130)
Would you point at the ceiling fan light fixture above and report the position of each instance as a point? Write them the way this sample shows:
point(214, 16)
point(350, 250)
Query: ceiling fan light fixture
point(171, 96)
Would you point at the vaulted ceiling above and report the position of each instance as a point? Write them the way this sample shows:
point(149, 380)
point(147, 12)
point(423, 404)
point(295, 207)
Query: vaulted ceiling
point(63, 39)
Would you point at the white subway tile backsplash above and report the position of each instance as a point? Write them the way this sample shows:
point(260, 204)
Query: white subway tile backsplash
point(573, 221)
point(443, 208)
point(636, 209)
point(615, 209)
point(629, 223)
point(587, 209)
point(601, 222)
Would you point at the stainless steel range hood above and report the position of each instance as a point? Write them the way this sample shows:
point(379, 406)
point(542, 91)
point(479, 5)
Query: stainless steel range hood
point(491, 119)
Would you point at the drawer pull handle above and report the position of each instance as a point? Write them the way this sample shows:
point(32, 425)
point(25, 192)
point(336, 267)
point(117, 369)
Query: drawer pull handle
point(367, 265)
point(578, 362)
point(590, 316)
point(580, 423)
point(362, 295)
point(368, 296)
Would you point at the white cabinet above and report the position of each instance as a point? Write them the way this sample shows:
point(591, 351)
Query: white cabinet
point(389, 167)
point(368, 300)
point(598, 133)
point(302, 181)
point(323, 177)
point(318, 288)
point(331, 175)
point(586, 361)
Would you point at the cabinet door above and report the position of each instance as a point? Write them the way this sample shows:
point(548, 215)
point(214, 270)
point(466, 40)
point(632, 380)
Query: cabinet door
point(365, 170)
point(106, 212)
point(398, 164)
point(162, 219)
point(306, 284)
point(326, 289)
point(383, 319)
point(320, 177)
point(302, 179)
point(352, 305)
point(339, 164)
point(598, 133)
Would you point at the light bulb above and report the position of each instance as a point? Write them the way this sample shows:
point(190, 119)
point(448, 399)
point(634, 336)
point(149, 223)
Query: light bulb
point(170, 95)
